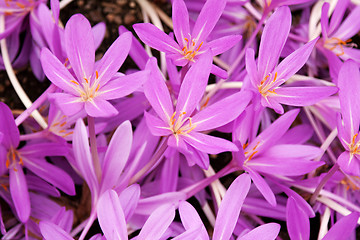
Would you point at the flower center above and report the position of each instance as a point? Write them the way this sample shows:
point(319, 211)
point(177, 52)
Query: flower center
point(87, 91)
point(250, 153)
point(190, 49)
point(349, 183)
point(11, 157)
point(338, 45)
point(354, 146)
point(178, 127)
point(268, 84)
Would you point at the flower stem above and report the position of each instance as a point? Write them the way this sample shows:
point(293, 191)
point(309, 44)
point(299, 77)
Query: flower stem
point(13, 79)
point(155, 160)
point(93, 147)
point(88, 224)
point(328, 175)
point(195, 188)
point(21, 118)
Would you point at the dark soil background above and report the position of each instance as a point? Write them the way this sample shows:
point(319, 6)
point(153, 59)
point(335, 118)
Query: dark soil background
point(113, 12)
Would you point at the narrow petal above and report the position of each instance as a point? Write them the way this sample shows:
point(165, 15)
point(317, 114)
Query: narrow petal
point(116, 155)
point(129, 199)
point(295, 61)
point(83, 157)
point(80, 47)
point(223, 44)
point(99, 33)
point(113, 58)
point(290, 151)
point(337, 232)
point(123, 85)
point(208, 17)
point(283, 167)
point(156, 126)
point(268, 231)
point(8, 128)
point(52, 174)
point(349, 163)
point(156, 38)
point(57, 73)
point(297, 221)
point(111, 216)
point(100, 108)
point(302, 96)
point(350, 26)
point(137, 51)
point(191, 219)
point(51, 231)
point(349, 86)
point(273, 39)
point(251, 67)
point(338, 15)
point(157, 93)
point(19, 192)
point(180, 17)
point(274, 132)
point(209, 144)
point(262, 186)
point(157, 223)
point(68, 104)
point(230, 207)
point(221, 112)
point(193, 86)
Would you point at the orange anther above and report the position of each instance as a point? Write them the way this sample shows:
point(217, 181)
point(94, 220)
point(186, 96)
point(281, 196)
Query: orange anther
point(97, 74)
point(20, 5)
point(7, 163)
point(86, 80)
point(245, 145)
point(75, 82)
point(252, 155)
point(63, 124)
point(97, 88)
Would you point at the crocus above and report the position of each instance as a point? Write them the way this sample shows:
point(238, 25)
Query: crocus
point(348, 127)
point(93, 84)
point(32, 156)
point(266, 76)
point(184, 125)
point(189, 45)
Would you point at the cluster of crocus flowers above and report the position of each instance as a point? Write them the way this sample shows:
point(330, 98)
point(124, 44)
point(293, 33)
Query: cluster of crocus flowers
point(275, 118)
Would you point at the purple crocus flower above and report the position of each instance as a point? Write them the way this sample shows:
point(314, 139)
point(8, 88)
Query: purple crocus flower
point(270, 154)
point(15, 12)
point(266, 76)
point(32, 156)
point(93, 84)
point(189, 45)
point(348, 127)
point(183, 126)
point(337, 34)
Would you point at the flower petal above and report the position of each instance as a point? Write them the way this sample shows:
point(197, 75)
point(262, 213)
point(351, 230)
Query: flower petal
point(111, 216)
point(80, 47)
point(209, 144)
point(297, 221)
point(193, 86)
point(221, 112)
point(100, 108)
point(157, 93)
point(113, 58)
point(8, 128)
point(230, 207)
point(157, 223)
point(268, 231)
point(19, 192)
point(57, 73)
point(180, 17)
point(337, 232)
point(116, 155)
point(273, 39)
point(51, 231)
point(156, 38)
